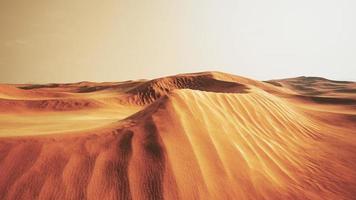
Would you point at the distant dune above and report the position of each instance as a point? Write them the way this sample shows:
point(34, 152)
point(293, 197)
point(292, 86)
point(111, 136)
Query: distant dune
point(206, 135)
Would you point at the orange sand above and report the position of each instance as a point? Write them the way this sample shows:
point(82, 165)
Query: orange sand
point(192, 136)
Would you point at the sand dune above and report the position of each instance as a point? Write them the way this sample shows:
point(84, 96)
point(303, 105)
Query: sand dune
point(205, 135)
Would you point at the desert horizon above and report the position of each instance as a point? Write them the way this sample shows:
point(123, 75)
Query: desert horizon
point(206, 135)
point(177, 100)
point(145, 78)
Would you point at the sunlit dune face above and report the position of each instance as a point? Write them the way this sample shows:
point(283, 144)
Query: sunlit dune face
point(51, 109)
point(192, 136)
point(51, 123)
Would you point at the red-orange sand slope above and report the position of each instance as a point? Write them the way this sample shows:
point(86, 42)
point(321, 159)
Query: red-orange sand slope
point(204, 136)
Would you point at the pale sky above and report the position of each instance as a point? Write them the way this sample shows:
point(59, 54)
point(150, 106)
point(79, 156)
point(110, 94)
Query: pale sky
point(115, 40)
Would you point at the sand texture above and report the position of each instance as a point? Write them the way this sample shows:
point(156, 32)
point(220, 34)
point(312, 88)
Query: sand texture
point(206, 135)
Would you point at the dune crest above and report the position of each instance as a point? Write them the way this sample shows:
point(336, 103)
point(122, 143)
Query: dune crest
point(205, 135)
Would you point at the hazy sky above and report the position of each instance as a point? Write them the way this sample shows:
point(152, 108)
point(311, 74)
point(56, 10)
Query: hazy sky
point(108, 40)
